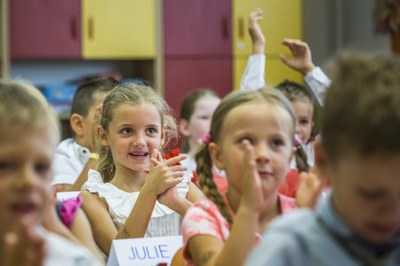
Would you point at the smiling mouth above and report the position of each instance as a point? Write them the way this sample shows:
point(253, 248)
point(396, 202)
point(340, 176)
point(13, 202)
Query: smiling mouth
point(140, 156)
point(264, 173)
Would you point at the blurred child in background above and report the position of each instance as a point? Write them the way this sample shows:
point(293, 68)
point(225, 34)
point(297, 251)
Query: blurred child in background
point(75, 156)
point(29, 134)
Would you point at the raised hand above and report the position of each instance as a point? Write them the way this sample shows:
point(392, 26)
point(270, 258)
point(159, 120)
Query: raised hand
point(252, 195)
point(256, 35)
point(24, 247)
point(164, 174)
point(309, 189)
point(301, 56)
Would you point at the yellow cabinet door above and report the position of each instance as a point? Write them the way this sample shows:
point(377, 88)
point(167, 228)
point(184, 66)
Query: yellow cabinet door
point(119, 29)
point(276, 71)
point(281, 19)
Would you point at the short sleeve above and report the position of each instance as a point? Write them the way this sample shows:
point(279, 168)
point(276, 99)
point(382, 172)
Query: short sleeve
point(203, 218)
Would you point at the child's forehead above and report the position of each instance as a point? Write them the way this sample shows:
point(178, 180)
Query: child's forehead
point(28, 141)
point(259, 114)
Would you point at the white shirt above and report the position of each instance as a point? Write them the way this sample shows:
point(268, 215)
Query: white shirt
point(62, 252)
point(163, 221)
point(318, 83)
point(253, 77)
point(69, 160)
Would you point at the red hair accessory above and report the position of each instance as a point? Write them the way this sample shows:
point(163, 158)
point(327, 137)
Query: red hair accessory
point(207, 138)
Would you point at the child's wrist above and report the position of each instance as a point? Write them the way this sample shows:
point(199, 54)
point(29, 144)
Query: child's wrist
point(307, 69)
point(258, 48)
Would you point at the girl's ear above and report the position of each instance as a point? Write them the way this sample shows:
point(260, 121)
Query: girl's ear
point(102, 134)
point(184, 127)
point(163, 135)
point(77, 124)
point(216, 155)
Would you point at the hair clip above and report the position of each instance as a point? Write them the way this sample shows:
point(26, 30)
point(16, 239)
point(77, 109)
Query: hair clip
point(297, 140)
point(207, 138)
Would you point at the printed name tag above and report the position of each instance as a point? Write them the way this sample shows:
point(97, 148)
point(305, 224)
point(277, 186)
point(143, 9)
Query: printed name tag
point(61, 196)
point(144, 251)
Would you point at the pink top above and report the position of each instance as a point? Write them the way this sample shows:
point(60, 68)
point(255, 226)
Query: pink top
point(204, 218)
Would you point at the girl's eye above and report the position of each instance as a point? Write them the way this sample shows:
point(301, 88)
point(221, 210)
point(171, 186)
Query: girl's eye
point(151, 131)
point(6, 166)
point(42, 168)
point(304, 122)
point(205, 117)
point(277, 142)
point(126, 131)
point(240, 141)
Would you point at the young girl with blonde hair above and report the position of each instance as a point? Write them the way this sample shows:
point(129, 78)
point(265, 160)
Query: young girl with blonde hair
point(136, 193)
point(252, 139)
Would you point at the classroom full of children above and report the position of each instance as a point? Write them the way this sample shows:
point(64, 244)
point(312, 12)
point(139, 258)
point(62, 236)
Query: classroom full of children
point(293, 173)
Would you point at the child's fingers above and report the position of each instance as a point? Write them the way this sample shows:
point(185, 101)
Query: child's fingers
point(154, 158)
point(174, 181)
point(174, 160)
point(284, 59)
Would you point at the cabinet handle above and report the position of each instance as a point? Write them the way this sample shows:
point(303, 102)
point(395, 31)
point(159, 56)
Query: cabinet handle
point(91, 28)
point(241, 28)
point(224, 27)
point(73, 28)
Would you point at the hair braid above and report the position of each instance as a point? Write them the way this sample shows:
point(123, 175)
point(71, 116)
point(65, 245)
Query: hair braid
point(301, 159)
point(206, 180)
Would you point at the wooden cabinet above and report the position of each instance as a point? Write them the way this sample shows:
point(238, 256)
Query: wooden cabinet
point(281, 19)
point(197, 48)
point(193, 27)
point(196, 43)
point(89, 29)
point(185, 75)
point(45, 29)
point(119, 29)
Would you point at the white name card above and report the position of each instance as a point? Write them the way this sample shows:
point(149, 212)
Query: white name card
point(144, 251)
point(61, 196)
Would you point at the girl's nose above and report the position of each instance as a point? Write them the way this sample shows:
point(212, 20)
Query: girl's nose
point(262, 153)
point(139, 141)
point(26, 179)
point(297, 128)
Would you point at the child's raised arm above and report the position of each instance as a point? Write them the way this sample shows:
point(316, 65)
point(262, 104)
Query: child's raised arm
point(301, 61)
point(209, 250)
point(253, 76)
point(301, 56)
point(256, 35)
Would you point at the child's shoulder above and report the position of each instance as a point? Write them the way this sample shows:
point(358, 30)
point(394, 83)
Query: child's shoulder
point(57, 247)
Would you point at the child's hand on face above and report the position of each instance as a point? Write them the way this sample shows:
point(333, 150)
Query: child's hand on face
point(23, 247)
point(256, 35)
point(309, 188)
point(164, 174)
point(301, 56)
point(252, 196)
